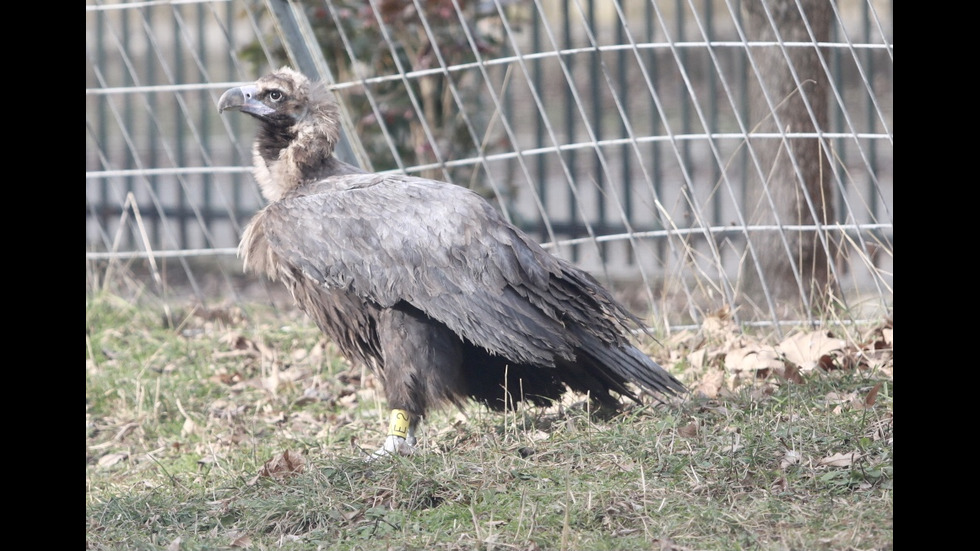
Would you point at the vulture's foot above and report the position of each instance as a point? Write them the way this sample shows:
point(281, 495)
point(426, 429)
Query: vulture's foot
point(401, 435)
point(395, 445)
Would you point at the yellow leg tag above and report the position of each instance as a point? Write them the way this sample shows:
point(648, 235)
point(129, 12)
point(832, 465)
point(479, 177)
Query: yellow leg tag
point(399, 423)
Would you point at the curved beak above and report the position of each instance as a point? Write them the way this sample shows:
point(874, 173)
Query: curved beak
point(244, 99)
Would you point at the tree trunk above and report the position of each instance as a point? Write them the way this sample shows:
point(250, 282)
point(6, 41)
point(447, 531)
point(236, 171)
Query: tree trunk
point(794, 265)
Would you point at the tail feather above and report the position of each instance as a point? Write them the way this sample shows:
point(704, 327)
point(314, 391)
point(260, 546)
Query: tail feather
point(626, 363)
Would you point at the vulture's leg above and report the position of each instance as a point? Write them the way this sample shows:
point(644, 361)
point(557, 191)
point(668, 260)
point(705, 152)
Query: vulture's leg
point(422, 368)
point(401, 434)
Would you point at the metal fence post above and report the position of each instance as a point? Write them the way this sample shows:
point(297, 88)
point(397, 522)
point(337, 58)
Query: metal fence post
point(304, 51)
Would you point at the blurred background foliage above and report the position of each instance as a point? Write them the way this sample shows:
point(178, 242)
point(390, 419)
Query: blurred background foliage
point(394, 117)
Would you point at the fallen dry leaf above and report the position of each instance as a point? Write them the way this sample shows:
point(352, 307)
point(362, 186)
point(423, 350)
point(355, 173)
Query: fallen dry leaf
point(752, 358)
point(718, 324)
point(840, 459)
point(792, 373)
point(826, 362)
point(869, 399)
point(689, 430)
point(697, 358)
point(281, 466)
point(189, 427)
point(711, 383)
point(807, 350)
point(791, 457)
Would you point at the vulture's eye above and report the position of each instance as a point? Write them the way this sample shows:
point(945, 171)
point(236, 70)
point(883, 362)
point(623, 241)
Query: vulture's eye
point(276, 95)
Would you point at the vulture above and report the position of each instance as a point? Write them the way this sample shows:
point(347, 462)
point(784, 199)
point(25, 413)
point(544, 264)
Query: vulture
point(424, 281)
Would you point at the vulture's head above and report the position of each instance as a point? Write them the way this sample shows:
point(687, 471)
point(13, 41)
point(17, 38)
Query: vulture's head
point(299, 127)
point(280, 99)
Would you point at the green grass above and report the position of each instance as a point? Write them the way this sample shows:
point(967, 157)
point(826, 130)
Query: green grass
point(182, 415)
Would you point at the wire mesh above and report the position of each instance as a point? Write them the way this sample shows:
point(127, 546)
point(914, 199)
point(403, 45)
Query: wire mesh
point(695, 156)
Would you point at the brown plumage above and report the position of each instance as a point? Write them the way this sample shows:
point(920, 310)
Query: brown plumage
point(424, 281)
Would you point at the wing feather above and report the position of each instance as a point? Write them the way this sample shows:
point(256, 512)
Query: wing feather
point(447, 252)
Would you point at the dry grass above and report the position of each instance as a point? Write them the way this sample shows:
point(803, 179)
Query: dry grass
point(244, 429)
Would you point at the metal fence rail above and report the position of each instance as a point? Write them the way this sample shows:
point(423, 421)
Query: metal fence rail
point(625, 134)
